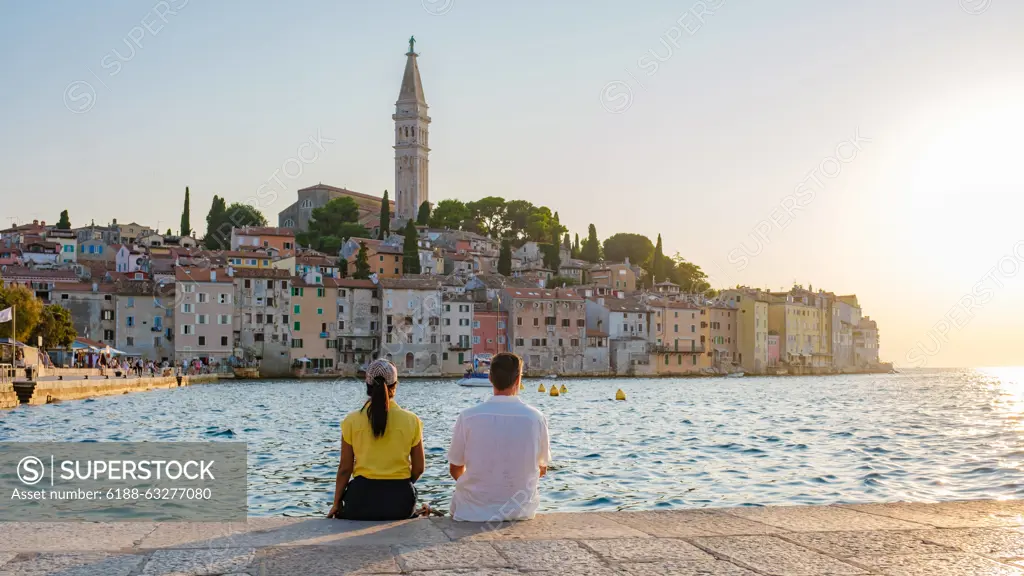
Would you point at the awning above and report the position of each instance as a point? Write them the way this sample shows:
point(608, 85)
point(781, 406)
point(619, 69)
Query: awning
point(9, 342)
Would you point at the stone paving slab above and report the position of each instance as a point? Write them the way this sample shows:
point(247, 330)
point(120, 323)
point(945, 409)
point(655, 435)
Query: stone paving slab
point(452, 556)
point(312, 560)
point(940, 564)
point(549, 555)
point(209, 562)
point(564, 526)
point(971, 514)
point(684, 523)
point(994, 542)
point(71, 537)
point(683, 568)
point(646, 550)
point(820, 519)
point(72, 564)
point(304, 532)
point(878, 543)
point(774, 556)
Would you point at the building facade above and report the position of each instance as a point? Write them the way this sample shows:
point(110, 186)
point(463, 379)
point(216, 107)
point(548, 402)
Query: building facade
point(144, 316)
point(548, 329)
point(411, 324)
point(358, 331)
point(261, 316)
point(457, 333)
point(204, 315)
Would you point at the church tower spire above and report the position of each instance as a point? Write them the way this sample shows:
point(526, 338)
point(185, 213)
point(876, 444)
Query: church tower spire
point(412, 154)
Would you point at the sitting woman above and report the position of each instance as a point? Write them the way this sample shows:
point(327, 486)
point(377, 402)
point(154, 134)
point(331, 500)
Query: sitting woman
point(382, 453)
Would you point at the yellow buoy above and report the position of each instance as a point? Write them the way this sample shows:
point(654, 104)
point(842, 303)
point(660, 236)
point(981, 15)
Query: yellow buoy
point(563, 389)
point(541, 388)
point(554, 390)
point(521, 387)
point(620, 395)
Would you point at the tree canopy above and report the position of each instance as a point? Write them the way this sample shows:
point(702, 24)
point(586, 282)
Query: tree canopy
point(450, 214)
point(362, 271)
point(505, 258)
point(591, 249)
point(423, 217)
point(410, 249)
point(221, 219)
point(331, 225)
point(27, 312)
point(55, 327)
point(385, 216)
point(636, 247)
point(186, 225)
point(65, 221)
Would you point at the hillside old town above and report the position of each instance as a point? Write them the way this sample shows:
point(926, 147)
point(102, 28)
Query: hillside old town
point(346, 277)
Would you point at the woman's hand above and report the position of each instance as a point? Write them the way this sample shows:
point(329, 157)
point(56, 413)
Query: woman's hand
point(335, 511)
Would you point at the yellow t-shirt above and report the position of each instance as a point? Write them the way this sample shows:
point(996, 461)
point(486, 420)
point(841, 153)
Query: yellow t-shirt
point(387, 457)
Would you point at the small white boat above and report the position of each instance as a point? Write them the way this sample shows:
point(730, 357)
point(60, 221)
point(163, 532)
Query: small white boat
point(475, 381)
point(735, 375)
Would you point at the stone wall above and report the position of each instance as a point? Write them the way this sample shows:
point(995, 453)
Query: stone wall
point(47, 391)
point(8, 399)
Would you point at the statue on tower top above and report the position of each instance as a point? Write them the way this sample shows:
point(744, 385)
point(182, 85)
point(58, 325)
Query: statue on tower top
point(412, 45)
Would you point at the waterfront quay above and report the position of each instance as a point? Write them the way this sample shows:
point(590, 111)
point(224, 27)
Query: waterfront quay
point(45, 390)
point(982, 537)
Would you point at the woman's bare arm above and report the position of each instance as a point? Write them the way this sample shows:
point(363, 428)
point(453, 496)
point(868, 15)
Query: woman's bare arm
point(345, 468)
point(418, 461)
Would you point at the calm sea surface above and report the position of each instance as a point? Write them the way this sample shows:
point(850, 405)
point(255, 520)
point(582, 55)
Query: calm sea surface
point(923, 435)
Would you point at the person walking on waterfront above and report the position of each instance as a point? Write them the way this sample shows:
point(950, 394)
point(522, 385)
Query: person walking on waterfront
point(381, 454)
point(500, 450)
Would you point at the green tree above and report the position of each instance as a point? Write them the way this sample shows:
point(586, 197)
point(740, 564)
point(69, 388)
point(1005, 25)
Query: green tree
point(186, 226)
point(690, 278)
point(657, 262)
point(169, 233)
point(517, 220)
point(552, 260)
point(423, 217)
point(576, 247)
point(567, 243)
point(505, 258)
point(410, 249)
point(331, 225)
point(65, 221)
point(27, 311)
point(449, 214)
point(343, 267)
point(591, 249)
point(489, 215)
point(385, 216)
point(221, 219)
point(362, 263)
point(637, 247)
point(55, 328)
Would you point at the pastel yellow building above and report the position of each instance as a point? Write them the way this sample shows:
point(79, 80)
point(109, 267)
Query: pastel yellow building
point(751, 327)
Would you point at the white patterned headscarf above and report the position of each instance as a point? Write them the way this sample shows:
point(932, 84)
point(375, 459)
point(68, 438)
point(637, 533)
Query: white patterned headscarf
point(384, 369)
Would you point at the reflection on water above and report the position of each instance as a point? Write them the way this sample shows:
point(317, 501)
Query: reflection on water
point(924, 435)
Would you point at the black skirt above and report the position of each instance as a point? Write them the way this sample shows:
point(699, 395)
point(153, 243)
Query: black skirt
point(366, 499)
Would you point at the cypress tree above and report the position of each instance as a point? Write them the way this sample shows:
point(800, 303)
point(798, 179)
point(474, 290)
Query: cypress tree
point(385, 216)
point(505, 258)
point(576, 247)
point(186, 226)
point(411, 249)
point(424, 214)
point(362, 263)
point(65, 221)
point(658, 264)
point(591, 251)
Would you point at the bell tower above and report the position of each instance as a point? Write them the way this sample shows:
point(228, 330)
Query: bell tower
point(412, 140)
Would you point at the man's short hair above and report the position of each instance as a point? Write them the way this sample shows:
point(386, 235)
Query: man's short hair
point(506, 368)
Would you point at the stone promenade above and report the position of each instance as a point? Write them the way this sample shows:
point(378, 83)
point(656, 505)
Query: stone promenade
point(963, 538)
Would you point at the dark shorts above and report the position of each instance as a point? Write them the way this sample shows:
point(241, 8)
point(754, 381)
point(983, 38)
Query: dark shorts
point(366, 499)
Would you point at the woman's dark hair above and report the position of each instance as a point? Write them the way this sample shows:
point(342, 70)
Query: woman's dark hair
point(377, 408)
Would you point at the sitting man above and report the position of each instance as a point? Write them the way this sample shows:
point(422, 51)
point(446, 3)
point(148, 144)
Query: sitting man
point(499, 452)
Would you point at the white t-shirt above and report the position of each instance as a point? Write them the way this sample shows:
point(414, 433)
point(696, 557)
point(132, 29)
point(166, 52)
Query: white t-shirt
point(502, 443)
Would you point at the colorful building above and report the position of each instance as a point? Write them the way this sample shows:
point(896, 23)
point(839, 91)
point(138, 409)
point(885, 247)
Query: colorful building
point(271, 239)
point(204, 315)
point(548, 329)
point(411, 324)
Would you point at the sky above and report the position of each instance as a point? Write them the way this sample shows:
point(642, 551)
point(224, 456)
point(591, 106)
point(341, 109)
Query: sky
point(865, 147)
